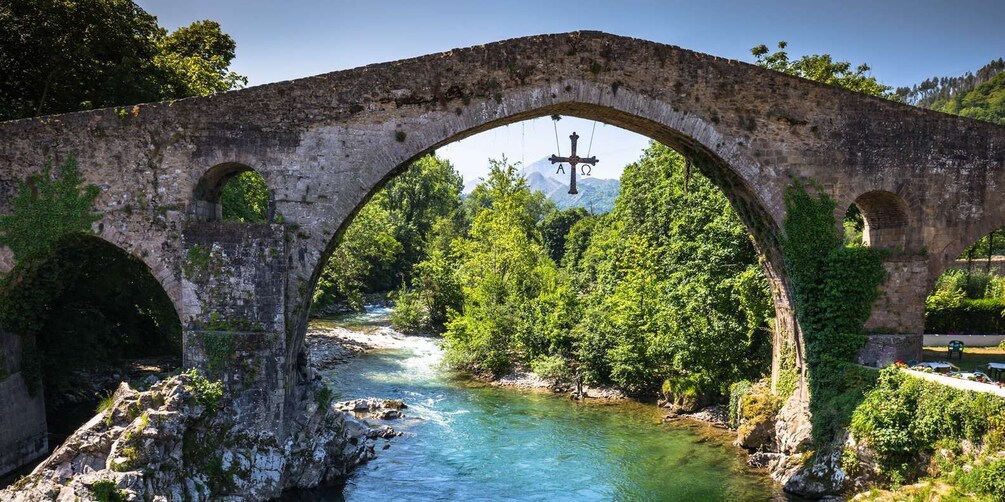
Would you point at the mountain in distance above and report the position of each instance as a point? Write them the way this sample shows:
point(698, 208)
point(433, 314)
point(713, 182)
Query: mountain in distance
point(596, 195)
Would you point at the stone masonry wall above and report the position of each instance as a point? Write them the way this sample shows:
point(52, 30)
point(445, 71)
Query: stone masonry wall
point(897, 322)
point(22, 416)
point(233, 290)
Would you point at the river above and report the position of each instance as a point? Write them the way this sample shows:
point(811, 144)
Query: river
point(465, 441)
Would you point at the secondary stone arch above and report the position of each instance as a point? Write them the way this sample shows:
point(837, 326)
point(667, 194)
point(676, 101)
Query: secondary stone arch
point(887, 219)
point(205, 203)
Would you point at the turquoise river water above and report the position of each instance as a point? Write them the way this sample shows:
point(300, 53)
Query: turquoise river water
point(468, 442)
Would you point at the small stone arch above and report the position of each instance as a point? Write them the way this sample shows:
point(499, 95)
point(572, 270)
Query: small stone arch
point(887, 219)
point(205, 204)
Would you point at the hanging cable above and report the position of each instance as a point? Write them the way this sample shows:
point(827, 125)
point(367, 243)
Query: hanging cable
point(590, 149)
point(523, 143)
point(558, 145)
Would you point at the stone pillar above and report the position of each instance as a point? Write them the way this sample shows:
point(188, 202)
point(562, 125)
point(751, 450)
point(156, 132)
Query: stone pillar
point(233, 313)
point(896, 326)
point(22, 415)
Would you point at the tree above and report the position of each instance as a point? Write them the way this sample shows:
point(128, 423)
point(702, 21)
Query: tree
point(392, 232)
point(64, 55)
point(555, 226)
point(672, 287)
point(822, 68)
point(368, 248)
point(502, 268)
point(197, 59)
point(417, 198)
point(245, 198)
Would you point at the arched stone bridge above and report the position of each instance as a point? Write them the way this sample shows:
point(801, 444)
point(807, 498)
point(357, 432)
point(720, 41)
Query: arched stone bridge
point(928, 183)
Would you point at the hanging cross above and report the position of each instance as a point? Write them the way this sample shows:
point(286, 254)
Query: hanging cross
point(574, 160)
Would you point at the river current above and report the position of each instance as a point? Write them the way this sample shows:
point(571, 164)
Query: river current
point(464, 442)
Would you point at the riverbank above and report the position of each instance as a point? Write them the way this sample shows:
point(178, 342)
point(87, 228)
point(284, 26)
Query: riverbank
point(333, 344)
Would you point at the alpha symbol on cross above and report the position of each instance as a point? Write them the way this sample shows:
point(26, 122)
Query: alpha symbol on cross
point(573, 161)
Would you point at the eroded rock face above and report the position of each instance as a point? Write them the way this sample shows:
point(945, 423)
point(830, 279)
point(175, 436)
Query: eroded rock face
point(810, 475)
point(793, 430)
point(179, 442)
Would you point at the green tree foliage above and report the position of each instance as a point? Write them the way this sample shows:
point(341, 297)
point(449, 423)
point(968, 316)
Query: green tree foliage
point(984, 102)
point(821, 68)
point(416, 212)
point(67, 55)
point(673, 288)
point(535, 205)
point(368, 249)
point(428, 190)
point(555, 226)
point(938, 92)
point(45, 209)
point(905, 417)
point(502, 269)
point(245, 198)
point(196, 59)
point(664, 288)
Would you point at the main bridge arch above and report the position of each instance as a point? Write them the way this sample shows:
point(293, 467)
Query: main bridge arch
point(325, 143)
point(698, 140)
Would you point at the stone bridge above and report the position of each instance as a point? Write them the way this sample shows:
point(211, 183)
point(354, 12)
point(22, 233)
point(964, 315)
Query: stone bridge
point(928, 184)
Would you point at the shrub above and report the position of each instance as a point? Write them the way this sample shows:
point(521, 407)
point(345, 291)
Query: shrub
point(965, 316)
point(904, 416)
point(988, 478)
point(736, 392)
point(206, 393)
point(756, 407)
point(554, 368)
point(408, 315)
point(106, 490)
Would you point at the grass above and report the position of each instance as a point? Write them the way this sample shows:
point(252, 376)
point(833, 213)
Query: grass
point(106, 402)
point(972, 356)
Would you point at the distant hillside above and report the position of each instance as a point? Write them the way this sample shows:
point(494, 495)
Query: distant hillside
point(979, 95)
point(595, 194)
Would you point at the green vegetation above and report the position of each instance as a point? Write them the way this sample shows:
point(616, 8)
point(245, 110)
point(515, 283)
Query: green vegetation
point(621, 303)
point(106, 403)
point(822, 68)
point(45, 209)
point(834, 289)
point(397, 229)
point(62, 56)
point(206, 393)
point(219, 347)
point(106, 490)
point(245, 198)
point(905, 418)
point(65, 296)
point(966, 302)
point(977, 95)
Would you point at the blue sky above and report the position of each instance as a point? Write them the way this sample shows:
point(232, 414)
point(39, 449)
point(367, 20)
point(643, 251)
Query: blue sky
point(903, 41)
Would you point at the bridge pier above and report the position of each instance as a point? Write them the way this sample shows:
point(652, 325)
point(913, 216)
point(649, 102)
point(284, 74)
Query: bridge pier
point(896, 326)
point(233, 313)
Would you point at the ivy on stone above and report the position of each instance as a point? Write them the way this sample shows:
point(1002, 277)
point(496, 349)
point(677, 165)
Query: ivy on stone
point(834, 287)
point(46, 209)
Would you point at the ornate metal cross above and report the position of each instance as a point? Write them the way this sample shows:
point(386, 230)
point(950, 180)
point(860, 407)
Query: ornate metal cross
point(574, 160)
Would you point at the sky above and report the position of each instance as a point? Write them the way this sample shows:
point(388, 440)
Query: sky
point(904, 42)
